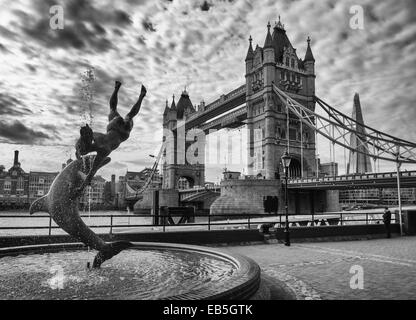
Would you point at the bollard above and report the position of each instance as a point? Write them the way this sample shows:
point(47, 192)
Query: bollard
point(111, 225)
point(164, 224)
point(50, 225)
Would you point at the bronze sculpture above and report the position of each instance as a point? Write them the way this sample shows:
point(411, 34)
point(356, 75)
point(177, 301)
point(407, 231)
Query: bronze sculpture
point(118, 130)
point(62, 200)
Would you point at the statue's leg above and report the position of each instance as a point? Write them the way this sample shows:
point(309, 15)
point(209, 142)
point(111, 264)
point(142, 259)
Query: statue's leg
point(136, 108)
point(114, 102)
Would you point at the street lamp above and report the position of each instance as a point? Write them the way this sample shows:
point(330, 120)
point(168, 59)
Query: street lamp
point(286, 163)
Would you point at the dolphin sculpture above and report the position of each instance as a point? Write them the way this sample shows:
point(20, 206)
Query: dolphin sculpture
point(64, 211)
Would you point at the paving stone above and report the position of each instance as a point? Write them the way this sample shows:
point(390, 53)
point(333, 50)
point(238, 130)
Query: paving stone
point(322, 270)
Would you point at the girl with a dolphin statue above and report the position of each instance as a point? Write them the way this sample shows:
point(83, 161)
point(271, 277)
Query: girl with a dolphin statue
point(62, 200)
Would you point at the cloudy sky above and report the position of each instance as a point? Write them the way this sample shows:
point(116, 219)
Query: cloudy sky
point(201, 45)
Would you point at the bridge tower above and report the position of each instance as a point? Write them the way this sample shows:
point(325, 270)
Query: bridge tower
point(271, 129)
point(183, 163)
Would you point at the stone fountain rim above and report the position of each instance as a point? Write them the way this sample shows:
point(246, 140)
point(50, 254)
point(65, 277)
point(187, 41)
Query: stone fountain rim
point(243, 284)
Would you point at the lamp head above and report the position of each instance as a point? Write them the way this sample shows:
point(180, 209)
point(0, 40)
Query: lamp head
point(286, 160)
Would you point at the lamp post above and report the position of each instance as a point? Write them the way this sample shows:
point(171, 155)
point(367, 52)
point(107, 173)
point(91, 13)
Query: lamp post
point(399, 198)
point(286, 163)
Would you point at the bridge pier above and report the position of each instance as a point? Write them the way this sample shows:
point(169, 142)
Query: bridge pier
point(167, 197)
point(246, 197)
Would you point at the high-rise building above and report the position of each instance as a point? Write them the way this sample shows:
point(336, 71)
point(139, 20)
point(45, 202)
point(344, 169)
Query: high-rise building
point(359, 161)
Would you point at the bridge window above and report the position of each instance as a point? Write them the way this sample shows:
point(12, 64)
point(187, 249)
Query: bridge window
point(295, 170)
point(185, 183)
point(292, 134)
point(287, 61)
point(292, 63)
point(7, 184)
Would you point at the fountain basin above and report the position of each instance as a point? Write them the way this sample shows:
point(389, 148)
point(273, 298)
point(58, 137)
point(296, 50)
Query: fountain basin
point(146, 271)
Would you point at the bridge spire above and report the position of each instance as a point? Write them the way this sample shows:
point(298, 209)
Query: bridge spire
point(250, 52)
point(173, 105)
point(269, 41)
point(309, 55)
point(166, 108)
point(279, 25)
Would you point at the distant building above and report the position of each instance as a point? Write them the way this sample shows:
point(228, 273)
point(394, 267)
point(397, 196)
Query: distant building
point(14, 185)
point(387, 196)
point(39, 184)
point(328, 169)
point(93, 194)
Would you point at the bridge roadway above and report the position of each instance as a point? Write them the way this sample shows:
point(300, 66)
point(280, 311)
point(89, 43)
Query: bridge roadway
point(356, 181)
point(220, 106)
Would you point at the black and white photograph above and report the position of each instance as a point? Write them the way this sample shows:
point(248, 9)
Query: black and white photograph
point(221, 150)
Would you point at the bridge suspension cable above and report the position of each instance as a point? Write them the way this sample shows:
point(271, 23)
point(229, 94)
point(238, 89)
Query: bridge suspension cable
point(135, 193)
point(337, 127)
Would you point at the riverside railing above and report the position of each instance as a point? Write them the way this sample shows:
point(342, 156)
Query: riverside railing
point(204, 222)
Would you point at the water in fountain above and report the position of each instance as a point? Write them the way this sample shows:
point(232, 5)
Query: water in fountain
point(135, 274)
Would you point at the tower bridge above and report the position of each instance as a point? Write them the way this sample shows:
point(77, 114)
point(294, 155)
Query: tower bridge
point(277, 106)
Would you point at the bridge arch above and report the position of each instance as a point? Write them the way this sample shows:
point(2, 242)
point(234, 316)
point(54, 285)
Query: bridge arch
point(295, 168)
point(185, 182)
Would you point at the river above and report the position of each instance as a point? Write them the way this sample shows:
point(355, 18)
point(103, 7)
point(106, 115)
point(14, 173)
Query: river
point(122, 219)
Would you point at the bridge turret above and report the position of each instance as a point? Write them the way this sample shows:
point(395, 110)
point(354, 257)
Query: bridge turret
point(309, 63)
point(185, 106)
point(250, 54)
point(269, 143)
point(166, 111)
point(269, 59)
point(169, 115)
point(309, 60)
point(249, 66)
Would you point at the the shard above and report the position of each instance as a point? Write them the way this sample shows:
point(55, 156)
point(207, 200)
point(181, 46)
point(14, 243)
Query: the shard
point(359, 161)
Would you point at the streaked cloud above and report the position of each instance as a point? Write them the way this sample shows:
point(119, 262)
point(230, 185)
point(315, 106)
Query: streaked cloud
point(198, 44)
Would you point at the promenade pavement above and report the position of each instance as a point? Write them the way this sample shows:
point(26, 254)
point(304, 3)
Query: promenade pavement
point(321, 270)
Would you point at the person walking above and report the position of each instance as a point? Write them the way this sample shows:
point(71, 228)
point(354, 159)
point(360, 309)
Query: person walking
point(387, 221)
